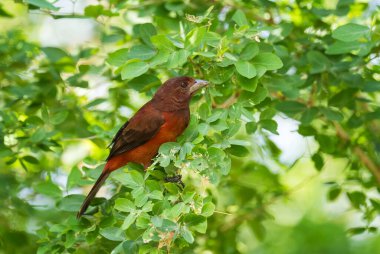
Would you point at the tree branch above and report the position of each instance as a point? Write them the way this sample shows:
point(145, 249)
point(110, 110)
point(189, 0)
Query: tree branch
point(366, 160)
point(363, 157)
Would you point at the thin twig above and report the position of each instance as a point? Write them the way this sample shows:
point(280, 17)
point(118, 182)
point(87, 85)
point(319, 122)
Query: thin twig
point(79, 139)
point(222, 212)
point(227, 103)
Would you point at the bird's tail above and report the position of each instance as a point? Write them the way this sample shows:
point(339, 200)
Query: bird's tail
point(103, 176)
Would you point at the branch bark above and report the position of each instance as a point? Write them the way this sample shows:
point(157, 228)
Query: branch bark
point(363, 157)
point(366, 160)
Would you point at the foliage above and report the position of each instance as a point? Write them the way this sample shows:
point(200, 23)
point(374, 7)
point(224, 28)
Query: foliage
point(312, 61)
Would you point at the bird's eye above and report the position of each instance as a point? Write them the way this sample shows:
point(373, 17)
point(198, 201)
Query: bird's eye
point(183, 84)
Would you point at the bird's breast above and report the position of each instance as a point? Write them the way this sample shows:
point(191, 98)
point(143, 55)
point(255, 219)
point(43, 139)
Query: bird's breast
point(174, 125)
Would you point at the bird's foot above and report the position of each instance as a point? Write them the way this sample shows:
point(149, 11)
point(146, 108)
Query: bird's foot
point(175, 179)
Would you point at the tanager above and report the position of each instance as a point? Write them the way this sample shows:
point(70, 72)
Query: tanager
point(160, 120)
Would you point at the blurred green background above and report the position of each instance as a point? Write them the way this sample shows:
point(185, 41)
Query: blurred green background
point(284, 152)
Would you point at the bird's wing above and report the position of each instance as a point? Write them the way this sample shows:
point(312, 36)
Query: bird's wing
point(143, 126)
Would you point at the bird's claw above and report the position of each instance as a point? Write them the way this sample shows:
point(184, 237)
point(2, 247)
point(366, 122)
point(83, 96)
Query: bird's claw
point(175, 179)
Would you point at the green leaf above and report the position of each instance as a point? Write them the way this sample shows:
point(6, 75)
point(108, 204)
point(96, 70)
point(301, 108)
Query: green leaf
point(350, 32)
point(375, 203)
point(124, 205)
point(220, 75)
point(169, 148)
point(134, 69)
point(143, 220)
point(356, 230)
point(145, 32)
point(251, 127)
point(71, 203)
point(141, 52)
point(161, 58)
point(193, 219)
point(128, 221)
point(269, 113)
point(334, 193)
point(207, 54)
point(246, 69)
point(171, 188)
point(237, 150)
point(93, 10)
point(290, 107)
point(132, 179)
point(204, 111)
point(43, 4)
point(156, 194)
point(371, 86)
point(249, 52)
point(357, 199)
point(176, 210)
point(318, 161)
point(269, 125)
point(331, 114)
point(309, 115)
point(157, 221)
point(196, 222)
point(70, 239)
point(162, 42)
point(128, 246)
point(113, 234)
point(341, 47)
point(343, 98)
point(195, 37)
point(141, 199)
point(268, 60)
point(186, 234)
point(168, 225)
point(118, 57)
point(147, 207)
point(247, 84)
point(239, 18)
point(4, 13)
point(144, 82)
point(30, 159)
point(59, 117)
point(258, 229)
point(306, 130)
point(178, 58)
point(215, 154)
point(318, 61)
point(73, 178)
point(212, 39)
point(259, 95)
point(48, 189)
point(56, 54)
point(38, 136)
point(208, 209)
point(327, 144)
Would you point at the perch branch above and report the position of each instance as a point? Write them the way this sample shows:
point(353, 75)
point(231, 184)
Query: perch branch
point(363, 157)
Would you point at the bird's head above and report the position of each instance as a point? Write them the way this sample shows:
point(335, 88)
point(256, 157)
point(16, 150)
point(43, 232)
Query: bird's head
point(176, 92)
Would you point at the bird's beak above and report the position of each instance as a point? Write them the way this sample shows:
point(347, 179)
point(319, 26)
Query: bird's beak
point(198, 85)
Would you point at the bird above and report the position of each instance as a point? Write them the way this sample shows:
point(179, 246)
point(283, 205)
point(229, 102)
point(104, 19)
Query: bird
point(160, 120)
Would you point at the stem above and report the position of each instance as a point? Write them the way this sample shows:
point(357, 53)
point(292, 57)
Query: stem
point(227, 103)
point(79, 139)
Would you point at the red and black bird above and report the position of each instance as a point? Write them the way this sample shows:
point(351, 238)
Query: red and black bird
point(160, 120)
